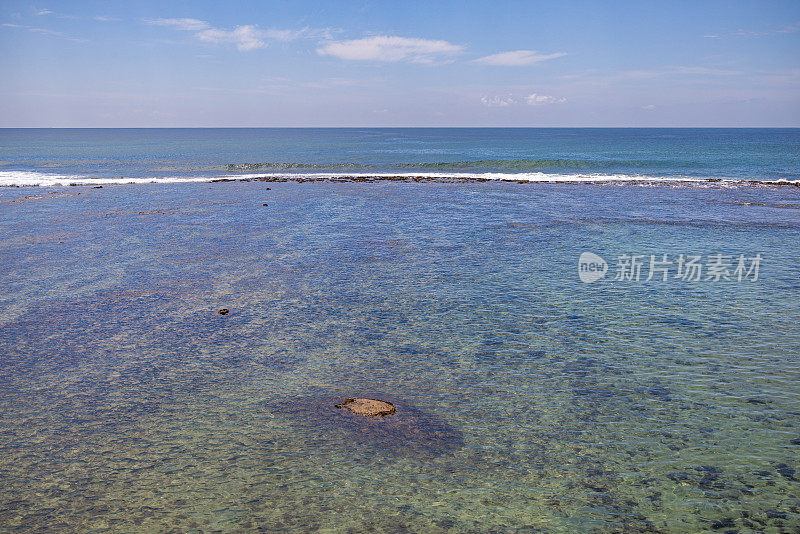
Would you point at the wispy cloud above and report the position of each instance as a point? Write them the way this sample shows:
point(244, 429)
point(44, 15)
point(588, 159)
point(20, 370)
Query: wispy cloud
point(249, 37)
point(190, 25)
point(332, 83)
point(535, 99)
point(517, 58)
point(497, 101)
point(106, 19)
point(45, 31)
point(245, 37)
point(390, 49)
point(789, 28)
point(43, 12)
point(749, 33)
point(704, 71)
point(532, 99)
point(672, 70)
point(786, 77)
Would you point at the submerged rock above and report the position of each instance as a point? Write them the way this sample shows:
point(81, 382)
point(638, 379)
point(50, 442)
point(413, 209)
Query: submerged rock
point(368, 407)
point(224, 311)
point(406, 431)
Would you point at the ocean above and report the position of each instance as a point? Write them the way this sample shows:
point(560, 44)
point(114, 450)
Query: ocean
point(582, 330)
point(64, 156)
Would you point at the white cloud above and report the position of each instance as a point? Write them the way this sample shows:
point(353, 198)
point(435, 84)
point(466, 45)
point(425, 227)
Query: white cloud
point(749, 33)
point(791, 28)
point(331, 83)
point(45, 31)
point(497, 101)
point(390, 49)
point(680, 70)
point(249, 37)
point(517, 58)
point(649, 107)
point(43, 12)
point(191, 25)
point(703, 71)
point(535, 99)
point(246, 37)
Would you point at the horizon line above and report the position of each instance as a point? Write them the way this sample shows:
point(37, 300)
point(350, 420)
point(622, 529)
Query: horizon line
point(392, 127)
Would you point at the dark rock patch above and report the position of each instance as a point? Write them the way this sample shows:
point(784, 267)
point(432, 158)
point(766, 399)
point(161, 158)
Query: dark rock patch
point(408, 430)
point(281, 360)
point(785, 471)
point(775, 514)
point(660, 392)
point(723, 523)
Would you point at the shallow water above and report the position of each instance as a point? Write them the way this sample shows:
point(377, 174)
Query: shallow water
point(532, 401)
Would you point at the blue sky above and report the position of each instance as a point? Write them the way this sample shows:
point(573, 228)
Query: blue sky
point(572, 63)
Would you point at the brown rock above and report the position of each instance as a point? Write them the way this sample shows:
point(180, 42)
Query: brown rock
point(224, 311)
point(368, 407)
point(408, 431)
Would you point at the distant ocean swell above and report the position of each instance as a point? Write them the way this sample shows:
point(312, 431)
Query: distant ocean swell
point(500, 165)
point(40, 179)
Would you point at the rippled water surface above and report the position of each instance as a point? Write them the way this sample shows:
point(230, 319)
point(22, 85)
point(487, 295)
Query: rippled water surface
point(527, 400)
point(29, 156)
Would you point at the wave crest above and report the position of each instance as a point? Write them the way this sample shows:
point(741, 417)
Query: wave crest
point(33, 179)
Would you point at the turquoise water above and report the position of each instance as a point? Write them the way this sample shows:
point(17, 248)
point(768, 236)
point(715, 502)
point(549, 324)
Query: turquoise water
point(46, 156)
point(527, 400)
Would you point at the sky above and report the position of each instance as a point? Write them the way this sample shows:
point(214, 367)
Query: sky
point(389, 63)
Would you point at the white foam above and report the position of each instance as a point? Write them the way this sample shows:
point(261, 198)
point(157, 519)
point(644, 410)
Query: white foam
point(33, 179)
point(40, 179)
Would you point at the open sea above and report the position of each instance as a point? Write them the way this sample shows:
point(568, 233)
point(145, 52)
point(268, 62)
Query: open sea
point(582, 330)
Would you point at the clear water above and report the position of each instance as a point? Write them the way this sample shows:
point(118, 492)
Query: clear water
point(540, 403)
point(527, 400)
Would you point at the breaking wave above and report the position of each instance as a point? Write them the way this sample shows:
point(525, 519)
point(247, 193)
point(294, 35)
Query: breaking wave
point(34, 179)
